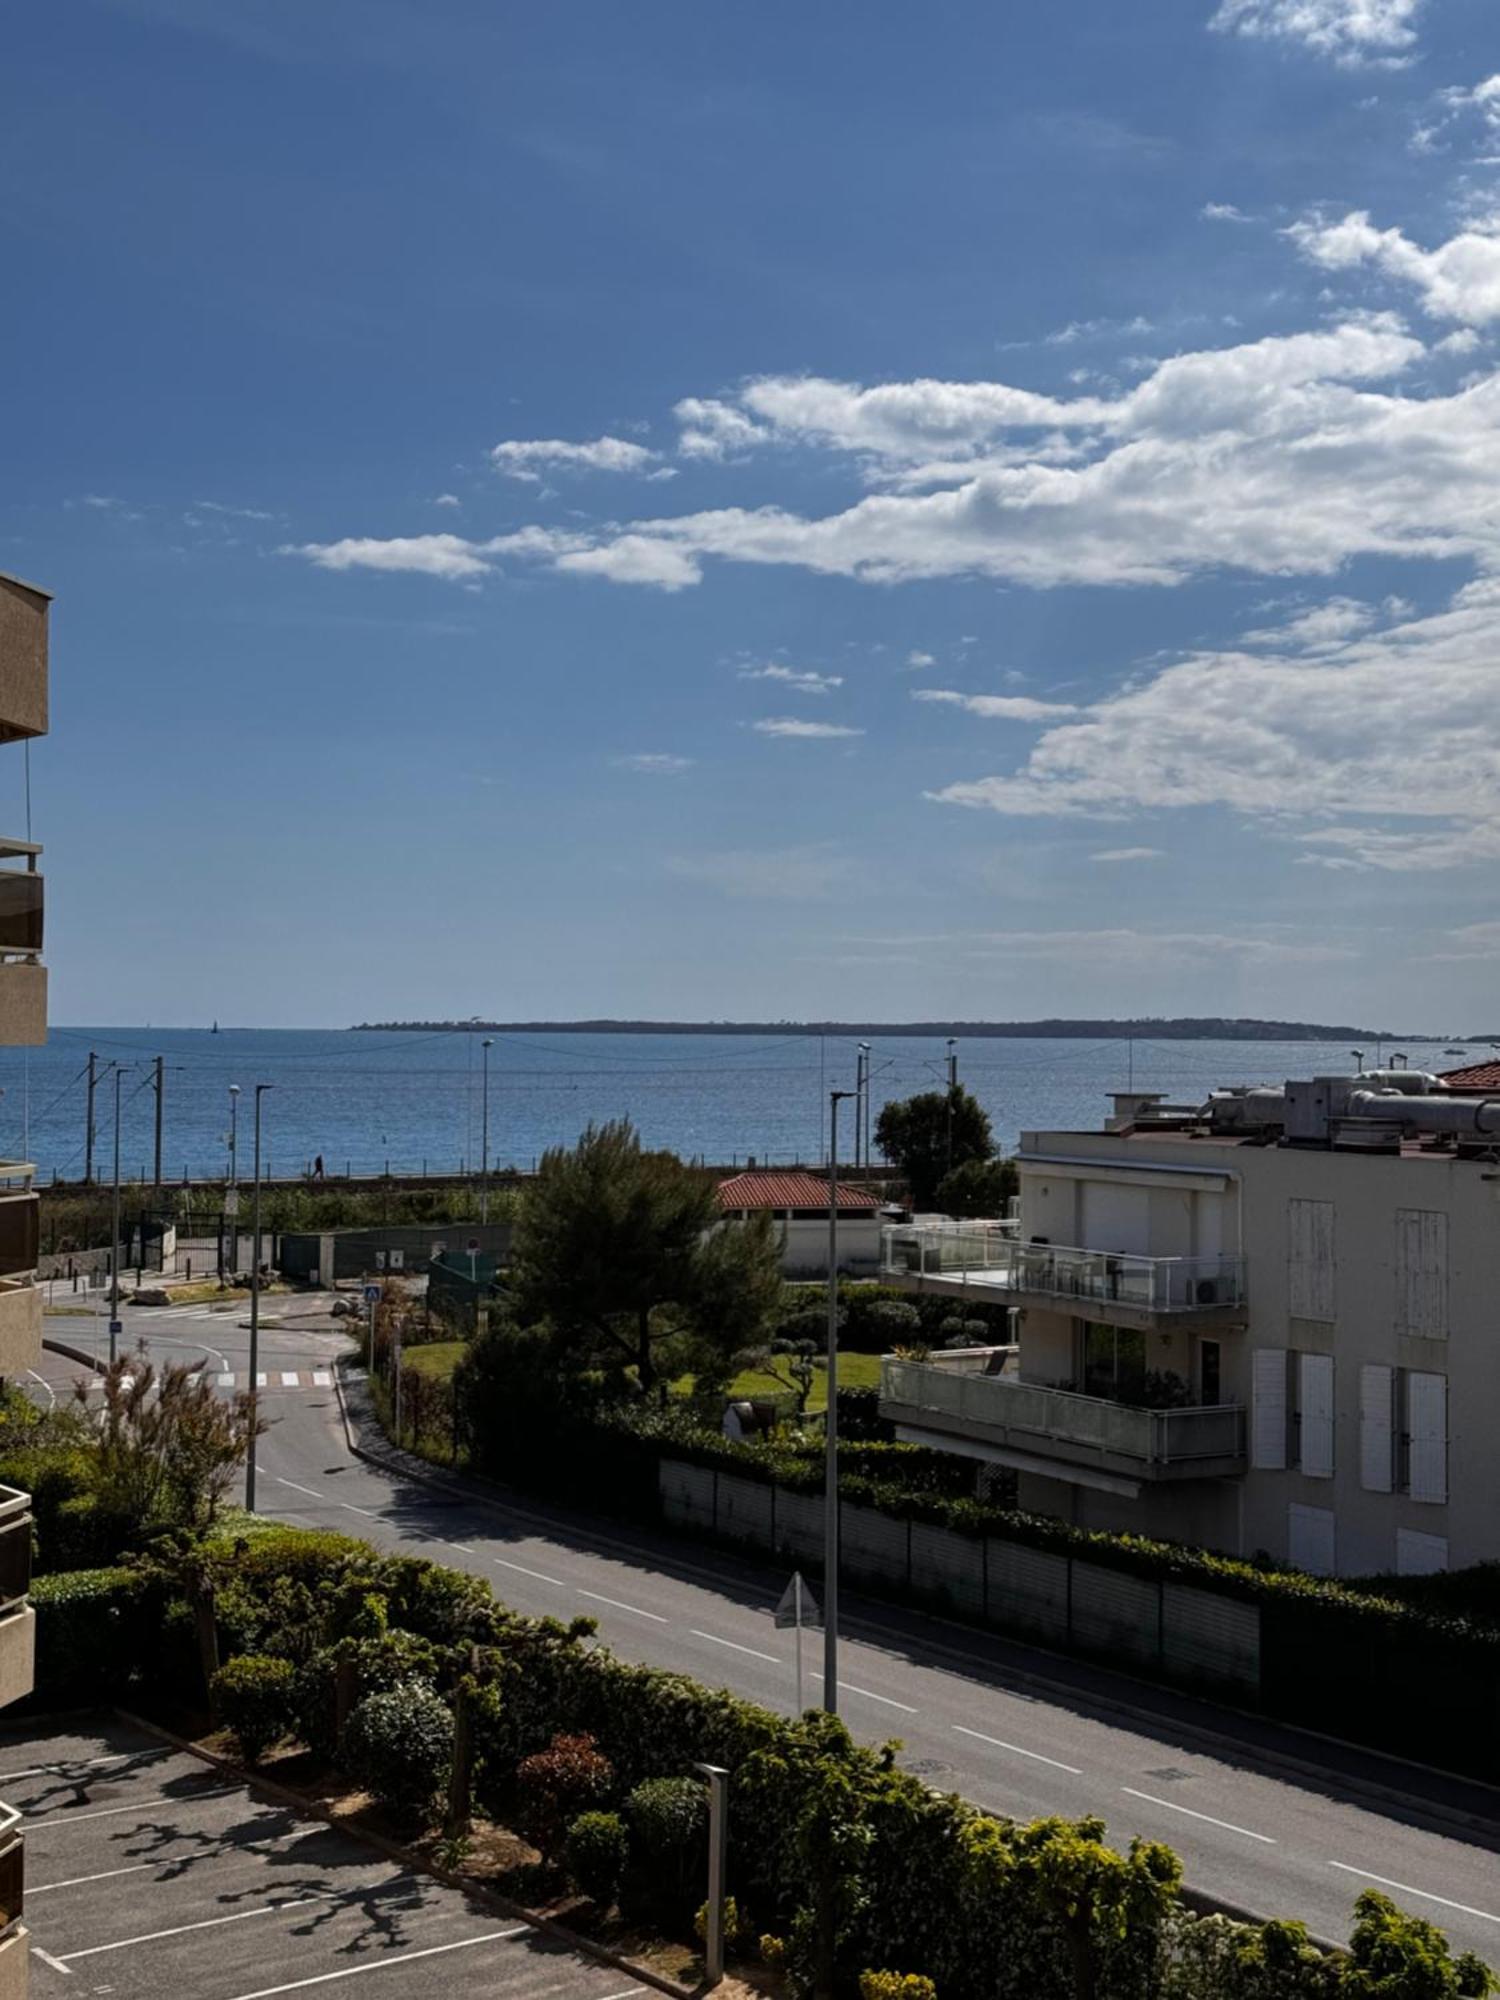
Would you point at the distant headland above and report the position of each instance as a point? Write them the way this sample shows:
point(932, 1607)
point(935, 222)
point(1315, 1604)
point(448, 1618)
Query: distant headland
point(1179, 1028)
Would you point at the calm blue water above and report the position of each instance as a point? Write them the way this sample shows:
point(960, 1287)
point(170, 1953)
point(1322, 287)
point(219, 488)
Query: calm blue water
point(415, 1100)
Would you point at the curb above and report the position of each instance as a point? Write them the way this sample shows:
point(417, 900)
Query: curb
point(1277, 1763)
point(479, 1892)
point(73, 1354)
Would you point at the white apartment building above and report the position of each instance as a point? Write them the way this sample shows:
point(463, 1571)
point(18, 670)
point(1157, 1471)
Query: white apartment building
point(1270, 1322)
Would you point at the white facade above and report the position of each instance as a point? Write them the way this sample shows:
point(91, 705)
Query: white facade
point(1365, 1351)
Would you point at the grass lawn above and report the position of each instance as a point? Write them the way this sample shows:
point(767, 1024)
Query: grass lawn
point(439, 1358)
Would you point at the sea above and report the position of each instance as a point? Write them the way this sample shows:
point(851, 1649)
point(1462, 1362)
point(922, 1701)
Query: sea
point(368, 1101)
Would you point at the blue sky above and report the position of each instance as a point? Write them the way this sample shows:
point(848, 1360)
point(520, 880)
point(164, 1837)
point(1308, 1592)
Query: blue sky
point(788, 511)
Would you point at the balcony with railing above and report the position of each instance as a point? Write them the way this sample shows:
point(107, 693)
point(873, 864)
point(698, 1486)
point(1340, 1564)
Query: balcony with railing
point(23, 978)
point(988, 1262)
point(20, 1300)
point(956, 1399)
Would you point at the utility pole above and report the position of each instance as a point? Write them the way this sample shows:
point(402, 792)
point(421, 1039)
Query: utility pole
point(260, 1091)
point(161, 1075)
point(88, 1123)
point(952, 1093)
point(831, 1423)
point(484, 1141)
point(114, 1255)
point(861, 1104)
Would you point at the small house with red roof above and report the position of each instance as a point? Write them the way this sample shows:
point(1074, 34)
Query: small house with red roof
point(797, 1203)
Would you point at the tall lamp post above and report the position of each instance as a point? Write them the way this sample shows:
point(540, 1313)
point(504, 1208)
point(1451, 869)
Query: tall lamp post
point(232, 1199)
point(862, 1105)
point(952, 1093)
point(260, 1091)
point(831, 1423)
point(114, 1255)
point(484, 1133)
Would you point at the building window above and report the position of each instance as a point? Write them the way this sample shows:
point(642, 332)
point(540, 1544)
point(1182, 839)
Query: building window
point(1210, 1373)
point(1426, 1437)
point(1422, 1273)
point(1268, 1409)
point(1310, 1539)
point(1310, 1259)
point(1114, 1361)
point(1403, 1433)
point(1315, 1415)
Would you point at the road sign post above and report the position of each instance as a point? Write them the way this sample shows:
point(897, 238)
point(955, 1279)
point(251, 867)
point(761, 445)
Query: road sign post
point(718, 1846)
point(798, 1607)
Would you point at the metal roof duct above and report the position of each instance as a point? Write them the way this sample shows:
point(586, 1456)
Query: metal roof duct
point(1463, 1117)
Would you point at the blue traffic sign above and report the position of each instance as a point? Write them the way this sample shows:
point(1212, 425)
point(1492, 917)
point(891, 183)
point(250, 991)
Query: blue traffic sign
point(372, 1295)
point(116, 1326)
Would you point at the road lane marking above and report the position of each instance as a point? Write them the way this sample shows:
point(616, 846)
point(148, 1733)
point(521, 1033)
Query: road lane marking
point(1018, 1750)
point(77, 1881)
point(322, 1379)
point(289, 1378)
point(203, 1924)
point(599, 1598)
point(522, 1570)
point(282, 1480)
point(47, 1959)
point(226, 1381)
point(260, 1381)
point(1172, 1806)
point(462, 1547)
point(368, 1512)
point(1407, 1890)
point(734, 1645)
point(848, 1687)
point(380, 1964)
point(111, 1812)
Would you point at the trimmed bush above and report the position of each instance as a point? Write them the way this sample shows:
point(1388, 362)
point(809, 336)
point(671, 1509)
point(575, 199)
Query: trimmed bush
point(345, 1673)
point(895, 1986)
point(97, 1634)
point(556, 1785)
point(595, 1853)
point(252, 1696)
point(668, 1820)
point(399, 1746)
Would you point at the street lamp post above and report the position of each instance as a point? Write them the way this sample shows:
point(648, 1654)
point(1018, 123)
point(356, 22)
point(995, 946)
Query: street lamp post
point(484, 1133)
point(831, 1424)
point(260, 1091)
point(952, 1093)
point(862, 1105)
point(232, 1204)
point(114, 1255)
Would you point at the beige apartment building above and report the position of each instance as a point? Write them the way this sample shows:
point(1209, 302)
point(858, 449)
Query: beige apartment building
point(23, 1022)
point(1262, 1323)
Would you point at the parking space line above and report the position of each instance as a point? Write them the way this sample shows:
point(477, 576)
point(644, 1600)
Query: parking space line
point(47, 1959)
point(88, 1764)
point(381, 1964)
point(599, 1598)
point(1017, 1750)
point(203, 1924)
point(1227, 1824)
point(111, 1812)
point(77, 1881)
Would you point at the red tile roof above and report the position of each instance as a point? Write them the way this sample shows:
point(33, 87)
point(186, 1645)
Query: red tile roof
point(789, 1190)
point(1475, 1076)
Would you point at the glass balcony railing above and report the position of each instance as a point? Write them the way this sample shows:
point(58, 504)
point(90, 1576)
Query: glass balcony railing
point(20, 1225)
point(1081, 1428)
point(986, 1256)
point(22, 900)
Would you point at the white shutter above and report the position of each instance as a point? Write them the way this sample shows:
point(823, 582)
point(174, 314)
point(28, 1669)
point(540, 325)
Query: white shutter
point(1422, 1273)
point(1427, 1432)
point(1418, 1554)
point(1310, 1539)
point(1376, 1386)
point(1268, 1413)
point(1309, 1270)
point(1315, 1406)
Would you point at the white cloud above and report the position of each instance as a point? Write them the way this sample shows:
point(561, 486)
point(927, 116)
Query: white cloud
point(998, 707)
point(1459, 280)
point(1382, 752)
point(788, 874)
point(1129, 854)
point(1223, 211)
point(1471, 941)
point(636, 559)
point(528, 458)
point(1326, 625)
point(446, 556)
point(653, 763)
point(447, 500)
point(793, 725)
point(238, 513)
point(795, 678)
point(918, 661)
point(102, 500)
point(714, 429)
point(1352, 32)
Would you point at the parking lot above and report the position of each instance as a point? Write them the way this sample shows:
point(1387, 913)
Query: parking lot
point(149, 1873)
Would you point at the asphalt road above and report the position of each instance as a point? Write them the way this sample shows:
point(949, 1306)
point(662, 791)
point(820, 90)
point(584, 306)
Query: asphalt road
point(147, 1873)
point(1266, 1818)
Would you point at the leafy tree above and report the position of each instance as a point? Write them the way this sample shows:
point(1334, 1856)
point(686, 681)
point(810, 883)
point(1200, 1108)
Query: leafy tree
point(168, 1443)
point(792, 1363)
point(1396, 1957)
point(625, 1253)
point(978, 1188)
point(926, 1136)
